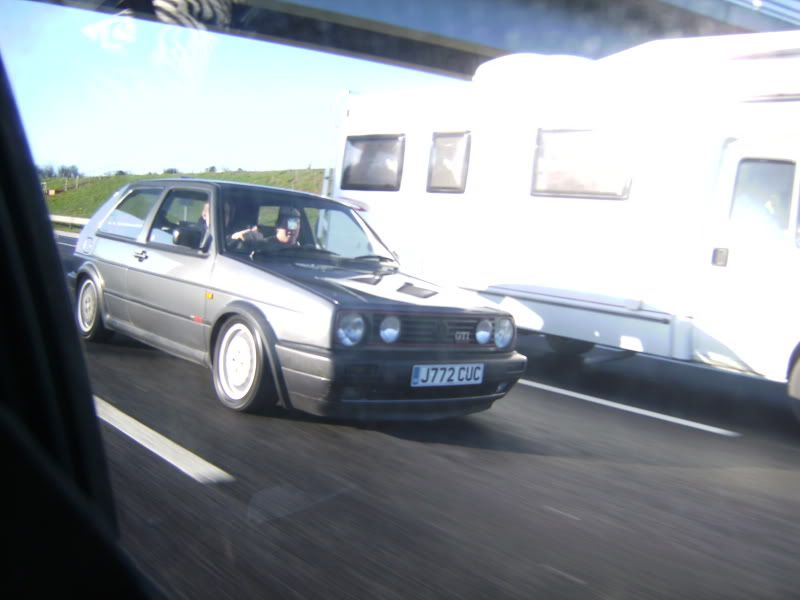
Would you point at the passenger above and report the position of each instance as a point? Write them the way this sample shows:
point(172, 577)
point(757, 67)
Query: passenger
point(204, 218)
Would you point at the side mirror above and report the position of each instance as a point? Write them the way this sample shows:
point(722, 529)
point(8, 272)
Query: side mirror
point(189, 236)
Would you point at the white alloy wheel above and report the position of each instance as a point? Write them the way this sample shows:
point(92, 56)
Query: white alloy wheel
point(87, 306)
point(237, 361)
point(87, 309)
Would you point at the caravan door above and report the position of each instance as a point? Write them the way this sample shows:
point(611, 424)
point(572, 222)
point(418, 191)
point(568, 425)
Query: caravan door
point(748, 310)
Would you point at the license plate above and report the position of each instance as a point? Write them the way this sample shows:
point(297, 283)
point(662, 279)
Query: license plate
point(442, 375)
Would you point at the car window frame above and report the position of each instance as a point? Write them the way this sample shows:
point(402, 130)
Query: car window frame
point(210, 190)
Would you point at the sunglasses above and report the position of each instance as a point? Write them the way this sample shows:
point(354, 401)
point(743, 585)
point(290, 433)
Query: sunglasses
point(293, 223)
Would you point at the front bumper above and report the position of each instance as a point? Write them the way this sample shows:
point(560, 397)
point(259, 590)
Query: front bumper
point(377, 385)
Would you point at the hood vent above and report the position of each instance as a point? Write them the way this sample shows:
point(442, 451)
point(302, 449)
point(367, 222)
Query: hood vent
point(413, 290)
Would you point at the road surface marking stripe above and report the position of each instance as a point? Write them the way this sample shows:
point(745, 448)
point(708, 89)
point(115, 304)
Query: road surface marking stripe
point(631, 409)
point(561, 512)
point(572, 578)
point(191, 464)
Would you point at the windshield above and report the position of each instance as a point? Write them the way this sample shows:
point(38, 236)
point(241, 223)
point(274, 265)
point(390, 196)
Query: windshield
point(270, 224)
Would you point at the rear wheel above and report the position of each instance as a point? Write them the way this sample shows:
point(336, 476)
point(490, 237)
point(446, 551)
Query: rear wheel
point(87, 312)
point(568, 346)
point(241, 368)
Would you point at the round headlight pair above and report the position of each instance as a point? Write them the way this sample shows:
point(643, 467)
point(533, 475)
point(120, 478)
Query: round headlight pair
point(502, 330)
point(350, 329)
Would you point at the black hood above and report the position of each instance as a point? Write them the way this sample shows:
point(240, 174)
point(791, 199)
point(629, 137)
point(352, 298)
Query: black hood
point(358, 284)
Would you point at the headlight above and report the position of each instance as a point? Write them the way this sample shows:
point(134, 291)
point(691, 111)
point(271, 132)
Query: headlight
point(503, 332)
point(483, 332)
point(390, 329)
point(350, 329)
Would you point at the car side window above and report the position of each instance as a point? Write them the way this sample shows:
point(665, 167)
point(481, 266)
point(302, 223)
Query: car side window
point(181, 208)
point(127, 219)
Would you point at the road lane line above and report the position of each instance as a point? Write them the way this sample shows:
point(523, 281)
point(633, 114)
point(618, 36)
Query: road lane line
point(561, 512)
point(179, 457)
point(631, 409)
point(563, 574)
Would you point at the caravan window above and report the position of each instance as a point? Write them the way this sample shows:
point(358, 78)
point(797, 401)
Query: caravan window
point(447, 169)
point(762, 196)
point(580, 163)
point(373, 162)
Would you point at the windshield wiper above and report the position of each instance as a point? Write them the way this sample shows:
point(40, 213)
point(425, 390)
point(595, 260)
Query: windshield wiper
point(291, 251)
point(377, 257)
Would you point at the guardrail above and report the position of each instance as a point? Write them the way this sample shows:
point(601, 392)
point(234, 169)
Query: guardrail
point(73, 221)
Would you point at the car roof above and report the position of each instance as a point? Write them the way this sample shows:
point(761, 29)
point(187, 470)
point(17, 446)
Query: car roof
point(222, 183)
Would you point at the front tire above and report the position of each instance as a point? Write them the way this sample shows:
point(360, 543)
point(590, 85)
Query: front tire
point(87, 312)
point(241, 368)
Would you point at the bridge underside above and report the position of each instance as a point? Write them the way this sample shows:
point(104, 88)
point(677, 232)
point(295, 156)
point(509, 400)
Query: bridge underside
point(454, 36)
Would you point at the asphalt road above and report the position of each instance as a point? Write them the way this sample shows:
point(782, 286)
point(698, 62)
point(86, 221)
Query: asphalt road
point(547, 495)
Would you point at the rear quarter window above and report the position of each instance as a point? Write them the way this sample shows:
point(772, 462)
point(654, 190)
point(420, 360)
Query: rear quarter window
point(127, 219)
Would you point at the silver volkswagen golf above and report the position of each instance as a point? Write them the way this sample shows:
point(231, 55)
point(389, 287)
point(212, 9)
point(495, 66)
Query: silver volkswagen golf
point(291, 299)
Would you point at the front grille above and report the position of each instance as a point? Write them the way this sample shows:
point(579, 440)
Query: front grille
point(427, 331)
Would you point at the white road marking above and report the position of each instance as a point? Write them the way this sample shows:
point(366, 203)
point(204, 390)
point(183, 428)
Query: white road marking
point(572, 578)
point(561, 512)
point(631, 409)
point(191, 464)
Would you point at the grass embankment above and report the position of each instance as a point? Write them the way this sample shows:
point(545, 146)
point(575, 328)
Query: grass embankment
point(93, 191)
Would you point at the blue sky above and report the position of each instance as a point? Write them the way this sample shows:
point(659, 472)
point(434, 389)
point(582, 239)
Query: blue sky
point(107, 93)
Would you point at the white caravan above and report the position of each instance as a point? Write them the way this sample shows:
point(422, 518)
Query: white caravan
point(647, 201)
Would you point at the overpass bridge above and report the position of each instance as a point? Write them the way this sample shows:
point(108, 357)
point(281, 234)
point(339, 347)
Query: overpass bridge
point(455, 36)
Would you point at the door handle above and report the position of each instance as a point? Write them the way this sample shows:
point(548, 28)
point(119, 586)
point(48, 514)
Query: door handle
point(141, 255)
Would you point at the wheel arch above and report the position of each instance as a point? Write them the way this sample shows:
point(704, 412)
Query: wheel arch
point(259, 321)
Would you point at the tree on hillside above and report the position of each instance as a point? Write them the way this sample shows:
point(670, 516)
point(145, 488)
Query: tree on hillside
point(68, 171)
point(211, 169)
point(120, 172)
point(47, 171)
point(170, 171)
